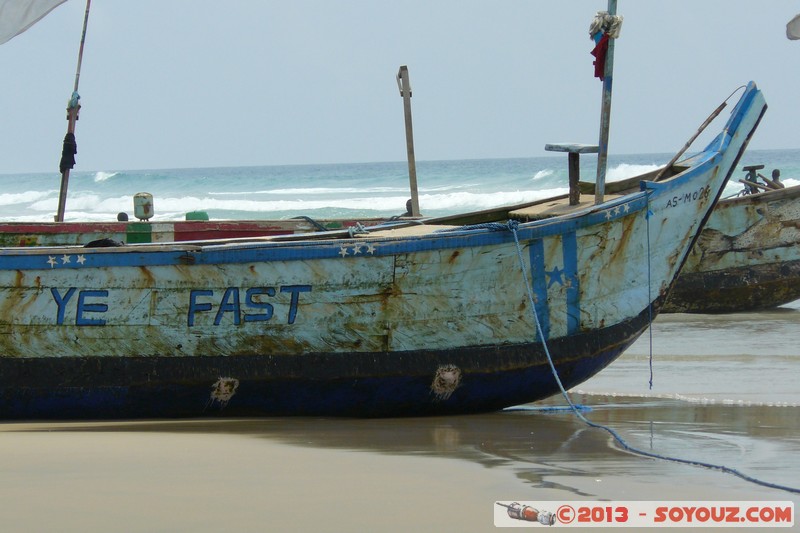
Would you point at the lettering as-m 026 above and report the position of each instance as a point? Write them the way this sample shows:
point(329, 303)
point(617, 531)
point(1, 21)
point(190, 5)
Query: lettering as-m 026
point(689, 197)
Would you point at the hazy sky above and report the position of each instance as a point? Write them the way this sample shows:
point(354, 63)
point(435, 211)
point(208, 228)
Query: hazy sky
point(199, 83)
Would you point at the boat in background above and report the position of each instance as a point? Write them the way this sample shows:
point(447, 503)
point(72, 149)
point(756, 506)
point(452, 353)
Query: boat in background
point(98, 234)
point(747, 257)
point(434, 317)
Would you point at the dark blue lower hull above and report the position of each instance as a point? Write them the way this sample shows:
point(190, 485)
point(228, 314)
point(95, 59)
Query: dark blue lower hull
point(353, 384)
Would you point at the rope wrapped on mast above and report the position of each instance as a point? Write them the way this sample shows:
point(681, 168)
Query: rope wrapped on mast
point(607, 24)
point(603, 28)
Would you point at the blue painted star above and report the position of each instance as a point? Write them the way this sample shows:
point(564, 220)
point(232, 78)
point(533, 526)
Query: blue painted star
point(555, 276)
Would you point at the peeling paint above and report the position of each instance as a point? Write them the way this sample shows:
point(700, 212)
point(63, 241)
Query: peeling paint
point(445, 381)
point(223, 390)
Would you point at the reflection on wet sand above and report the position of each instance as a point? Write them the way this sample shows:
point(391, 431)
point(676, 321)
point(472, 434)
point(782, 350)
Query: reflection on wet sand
point(538, 443)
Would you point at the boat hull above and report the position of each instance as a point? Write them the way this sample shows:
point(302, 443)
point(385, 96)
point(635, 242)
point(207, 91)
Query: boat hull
point(746, 259)
point(419, 383)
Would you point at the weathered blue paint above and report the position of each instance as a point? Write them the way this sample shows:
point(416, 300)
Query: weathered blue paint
point(571, 282)
point(539, 285)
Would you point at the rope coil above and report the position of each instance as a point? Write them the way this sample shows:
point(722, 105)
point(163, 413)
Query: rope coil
point(610, 25)
point(358, 229)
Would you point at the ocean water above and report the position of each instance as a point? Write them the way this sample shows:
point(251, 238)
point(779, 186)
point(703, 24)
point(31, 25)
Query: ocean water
point(724, 391)
point(360, 190)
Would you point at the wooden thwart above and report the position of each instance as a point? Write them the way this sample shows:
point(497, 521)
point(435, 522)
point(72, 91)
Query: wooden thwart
point(555, 208)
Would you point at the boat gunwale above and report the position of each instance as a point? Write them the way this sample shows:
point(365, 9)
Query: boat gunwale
point(593, 214)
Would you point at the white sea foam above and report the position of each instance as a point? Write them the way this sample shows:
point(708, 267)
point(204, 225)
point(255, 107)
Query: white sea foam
point(23, 197)
point(381, 205)
point(339, 190)
point(302, 191)
point(192, 203)
point(45, 204)
point(310, 191)
point(477, 201)
point(625, 171)
point(103, 176)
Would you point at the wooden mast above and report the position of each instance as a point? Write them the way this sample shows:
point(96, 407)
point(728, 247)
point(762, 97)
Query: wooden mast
point(605, 115)
point(72, 116)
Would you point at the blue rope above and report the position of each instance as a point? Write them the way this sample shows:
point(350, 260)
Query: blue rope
point(512, 226)
point(649, 291)
point(494, 226)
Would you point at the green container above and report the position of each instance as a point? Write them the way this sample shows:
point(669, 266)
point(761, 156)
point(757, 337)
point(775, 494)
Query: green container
point(196, 215)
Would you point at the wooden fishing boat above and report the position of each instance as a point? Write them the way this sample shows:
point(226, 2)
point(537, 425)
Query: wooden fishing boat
point(410, 319)
point(747, 257)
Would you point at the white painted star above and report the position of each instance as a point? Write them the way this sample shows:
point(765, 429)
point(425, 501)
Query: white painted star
point(65, 259)
point(52, 261)
point(370, 248)
point(356, 249)
point(343, 251)
point(626, 207)
point(81, 259)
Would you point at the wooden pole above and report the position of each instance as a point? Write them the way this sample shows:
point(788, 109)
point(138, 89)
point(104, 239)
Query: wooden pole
point(605, 115)
point(755, 185)
point(771, 184)
point(574, 165)
point(686, 146)
point(404, 85)
point(72, 116)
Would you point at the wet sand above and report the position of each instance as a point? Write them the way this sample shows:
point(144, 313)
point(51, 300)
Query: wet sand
point(718, 397)
point(440, 474)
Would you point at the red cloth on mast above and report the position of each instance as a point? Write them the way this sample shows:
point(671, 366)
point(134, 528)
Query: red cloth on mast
point(599, 52)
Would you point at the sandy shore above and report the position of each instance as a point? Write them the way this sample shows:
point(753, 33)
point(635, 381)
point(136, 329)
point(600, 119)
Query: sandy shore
point(437, 474)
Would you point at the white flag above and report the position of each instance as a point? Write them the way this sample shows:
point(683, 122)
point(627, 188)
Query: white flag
point(793, 28)
point(16, 16)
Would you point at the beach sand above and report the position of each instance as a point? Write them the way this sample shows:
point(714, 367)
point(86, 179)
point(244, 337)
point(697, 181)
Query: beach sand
point(436, 474)
point(724, 392)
